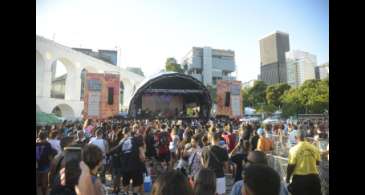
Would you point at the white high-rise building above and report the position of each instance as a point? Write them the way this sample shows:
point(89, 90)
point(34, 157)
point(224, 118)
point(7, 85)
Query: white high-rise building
point(300, 67)
point(209, 65)
point(322, 71)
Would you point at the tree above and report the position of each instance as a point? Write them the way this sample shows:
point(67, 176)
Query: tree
point(311, 97)
point(245, 94)
point(213, 93)
point(291, 103)
point(274, 93)
point(172, 65)
point(257, 94)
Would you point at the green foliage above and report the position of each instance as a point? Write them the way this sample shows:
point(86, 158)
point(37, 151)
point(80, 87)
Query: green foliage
point(172, 65)
point(245, 95)
point(311, 97)
point(258, 94)
point(213, 93)
point(274, 93)
point(255, 96)
point(269, 108)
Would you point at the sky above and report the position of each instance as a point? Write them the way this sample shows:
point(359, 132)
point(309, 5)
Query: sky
point(148, 32)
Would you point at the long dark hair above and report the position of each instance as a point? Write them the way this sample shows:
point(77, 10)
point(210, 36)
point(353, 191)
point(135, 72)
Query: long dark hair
point(205, 182)
point(172, 182)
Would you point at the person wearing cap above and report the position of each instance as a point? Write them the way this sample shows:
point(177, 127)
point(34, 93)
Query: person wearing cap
point(264, 144)
point(302, 165)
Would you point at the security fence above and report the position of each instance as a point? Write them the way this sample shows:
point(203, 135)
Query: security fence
point(278, 160)
point(281, 145)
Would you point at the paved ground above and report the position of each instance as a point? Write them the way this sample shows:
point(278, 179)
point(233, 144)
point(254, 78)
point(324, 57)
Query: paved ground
point(229, 184)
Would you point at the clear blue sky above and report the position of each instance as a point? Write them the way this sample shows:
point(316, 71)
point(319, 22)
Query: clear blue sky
point(147, 32)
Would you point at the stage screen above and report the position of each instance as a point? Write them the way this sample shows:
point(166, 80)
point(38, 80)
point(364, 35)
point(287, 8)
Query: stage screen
point(162, 103)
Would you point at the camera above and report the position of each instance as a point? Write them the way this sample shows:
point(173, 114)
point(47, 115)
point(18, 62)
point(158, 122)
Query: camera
point(73, 156)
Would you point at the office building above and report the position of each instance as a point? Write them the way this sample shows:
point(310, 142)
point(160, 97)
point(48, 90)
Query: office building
point(300, 67)
point(322, 71)
point(272, 54)
point(209, 65)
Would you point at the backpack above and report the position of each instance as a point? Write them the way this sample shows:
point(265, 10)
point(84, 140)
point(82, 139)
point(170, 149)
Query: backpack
point(127, 151)
point(43, 151)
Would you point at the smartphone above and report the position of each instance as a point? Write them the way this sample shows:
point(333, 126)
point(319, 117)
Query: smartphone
point(73, 156)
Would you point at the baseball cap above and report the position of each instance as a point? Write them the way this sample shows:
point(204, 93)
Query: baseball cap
point(300, 133)
point(260, 131)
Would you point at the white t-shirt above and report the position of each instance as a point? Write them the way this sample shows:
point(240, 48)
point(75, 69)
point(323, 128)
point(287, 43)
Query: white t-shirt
point(55, 144)
point(102, 144)
point(292, 141)
point(173, 144)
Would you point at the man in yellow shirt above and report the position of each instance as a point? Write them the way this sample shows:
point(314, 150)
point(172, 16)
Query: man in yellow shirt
point(302, 164)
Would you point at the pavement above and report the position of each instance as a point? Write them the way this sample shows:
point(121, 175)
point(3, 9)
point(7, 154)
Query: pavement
point(229, 184)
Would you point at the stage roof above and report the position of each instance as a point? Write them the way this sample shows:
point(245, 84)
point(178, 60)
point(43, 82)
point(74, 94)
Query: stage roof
point(171, 83)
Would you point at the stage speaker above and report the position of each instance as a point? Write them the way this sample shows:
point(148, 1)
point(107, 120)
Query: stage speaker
point(110, 95)
point(227, 99)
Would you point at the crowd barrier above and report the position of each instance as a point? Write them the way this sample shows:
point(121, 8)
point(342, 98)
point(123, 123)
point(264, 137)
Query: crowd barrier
point(278, 159)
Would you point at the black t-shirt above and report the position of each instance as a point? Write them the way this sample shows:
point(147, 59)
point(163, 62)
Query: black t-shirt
point(254, 141)
point(43, 153)
point(215, 163)
point(150, 145)
point(246, 134)
point(130, 154)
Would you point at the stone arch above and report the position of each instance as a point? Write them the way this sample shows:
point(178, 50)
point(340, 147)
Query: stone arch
point(121, 96)
point(83, 80)
point(127, 92)
point(64, 110)
point(40, 72)
point(59, 82)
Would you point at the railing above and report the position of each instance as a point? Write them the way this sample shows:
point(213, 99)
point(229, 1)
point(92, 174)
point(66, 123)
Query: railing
point(281, 144)
point(280, 164)
point(278, 159)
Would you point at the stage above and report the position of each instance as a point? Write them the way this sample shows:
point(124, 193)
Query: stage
point(170, 95)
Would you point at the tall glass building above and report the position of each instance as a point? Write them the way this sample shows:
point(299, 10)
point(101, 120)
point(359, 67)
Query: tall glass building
point(272, 54)
point(300, 67)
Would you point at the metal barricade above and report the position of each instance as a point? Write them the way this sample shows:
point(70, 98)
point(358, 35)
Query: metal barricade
point(280, 164)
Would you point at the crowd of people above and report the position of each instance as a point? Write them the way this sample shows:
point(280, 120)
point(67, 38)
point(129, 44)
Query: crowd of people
point(192, 156)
